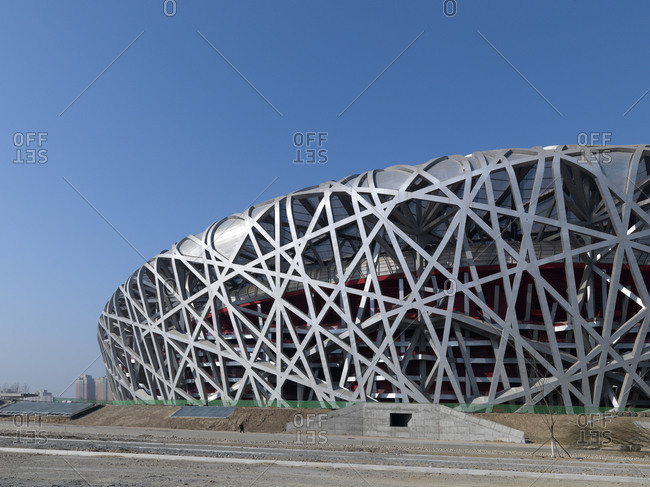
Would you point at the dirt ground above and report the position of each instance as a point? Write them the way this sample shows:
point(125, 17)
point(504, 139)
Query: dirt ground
point(263, 452)
point(572, 431)
point(578, 431)
point(255, 420)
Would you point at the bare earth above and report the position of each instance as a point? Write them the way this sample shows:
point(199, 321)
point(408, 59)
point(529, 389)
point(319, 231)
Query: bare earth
point(261, 420)
point(570, 430)
point(578, 431)
point(157, 450)
point(40, 470)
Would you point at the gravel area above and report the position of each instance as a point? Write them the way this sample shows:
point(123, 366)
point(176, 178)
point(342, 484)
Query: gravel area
point(143, 445)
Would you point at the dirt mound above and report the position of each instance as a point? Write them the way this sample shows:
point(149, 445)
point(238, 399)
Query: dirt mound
point(572, 431)
point(589, 431)
point(260, 420)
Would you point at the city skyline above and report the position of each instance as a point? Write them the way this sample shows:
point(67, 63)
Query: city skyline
point(88, 388)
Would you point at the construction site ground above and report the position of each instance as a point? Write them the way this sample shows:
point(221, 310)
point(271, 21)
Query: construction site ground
point(143, 445)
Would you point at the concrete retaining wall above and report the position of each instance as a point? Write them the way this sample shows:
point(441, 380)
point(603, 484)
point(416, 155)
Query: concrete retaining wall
point(400, 420)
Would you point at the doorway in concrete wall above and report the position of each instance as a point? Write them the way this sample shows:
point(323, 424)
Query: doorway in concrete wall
point(400, 420)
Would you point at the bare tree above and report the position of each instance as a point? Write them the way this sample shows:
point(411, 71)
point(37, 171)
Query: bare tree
point(14, 388)
point(549, 417)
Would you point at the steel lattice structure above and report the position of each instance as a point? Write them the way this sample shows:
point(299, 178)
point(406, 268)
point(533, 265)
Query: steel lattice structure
point(509, 276)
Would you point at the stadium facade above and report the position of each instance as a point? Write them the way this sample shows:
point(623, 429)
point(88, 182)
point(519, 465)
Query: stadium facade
point(511, 276)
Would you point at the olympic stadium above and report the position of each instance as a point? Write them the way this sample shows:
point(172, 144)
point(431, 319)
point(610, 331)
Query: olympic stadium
point(513, 276)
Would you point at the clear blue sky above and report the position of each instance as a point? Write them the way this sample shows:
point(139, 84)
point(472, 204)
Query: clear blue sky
point(170, 138)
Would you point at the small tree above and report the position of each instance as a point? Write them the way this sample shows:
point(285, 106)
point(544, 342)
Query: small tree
point(549, 417)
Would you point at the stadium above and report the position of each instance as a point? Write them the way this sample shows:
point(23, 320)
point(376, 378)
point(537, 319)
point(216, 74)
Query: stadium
point(512, 276)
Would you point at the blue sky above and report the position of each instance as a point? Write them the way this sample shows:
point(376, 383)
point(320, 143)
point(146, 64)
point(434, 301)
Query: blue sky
point(198, 115)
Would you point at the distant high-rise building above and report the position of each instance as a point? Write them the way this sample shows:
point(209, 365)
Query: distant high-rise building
point(44, 396)
point(103, 391)
point(85, 387)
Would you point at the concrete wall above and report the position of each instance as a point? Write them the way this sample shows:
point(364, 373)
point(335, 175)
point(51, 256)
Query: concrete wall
point(427, 421)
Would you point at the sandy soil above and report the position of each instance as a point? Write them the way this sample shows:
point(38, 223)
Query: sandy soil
point(578, 431)
point(258, 420)
point(18, 469)
point(572, 431)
